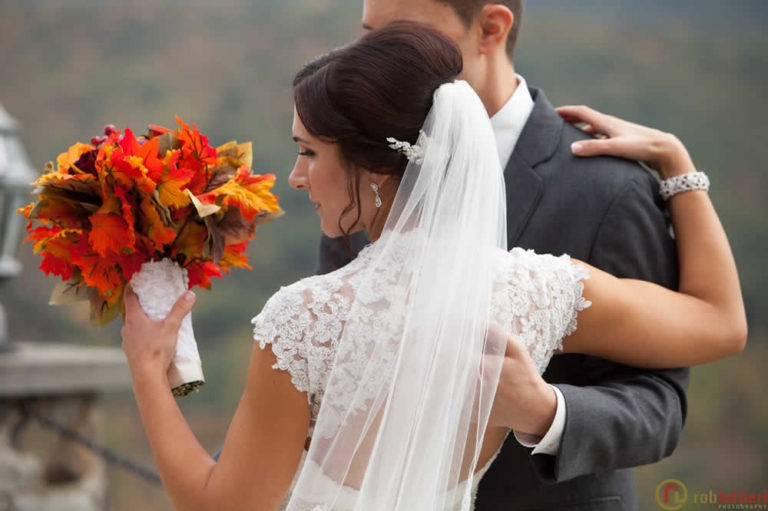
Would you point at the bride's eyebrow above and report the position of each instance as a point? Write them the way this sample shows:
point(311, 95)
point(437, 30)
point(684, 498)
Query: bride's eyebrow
point(300, 140)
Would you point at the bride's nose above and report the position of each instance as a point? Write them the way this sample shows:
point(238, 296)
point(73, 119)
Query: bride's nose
point(298, 178)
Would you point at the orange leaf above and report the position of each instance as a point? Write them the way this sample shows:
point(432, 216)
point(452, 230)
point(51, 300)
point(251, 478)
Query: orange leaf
point(111, 232)
point(45, 234)
point(153, 226)
point(53, 210)
point(171, 193)
point(129, 162)
point(101, 273)
point(65, 160)
point(173, 182)
point(190, 241)
point(26, 210)
point(234, 256)
point(57, 247)
point(249, 193)
point(196, 155)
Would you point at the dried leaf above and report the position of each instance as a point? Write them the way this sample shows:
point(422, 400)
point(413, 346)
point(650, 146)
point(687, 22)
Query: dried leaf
point(163, 211)
point(216, 239)
point(89, 203)
point(202, 209)
point(102, 313)
point(86, 184)
point(265, 218)
point(167, 142)
point(71, 291)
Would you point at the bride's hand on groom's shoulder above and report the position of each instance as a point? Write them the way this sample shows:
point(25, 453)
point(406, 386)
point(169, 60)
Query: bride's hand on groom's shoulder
point(149, 345)
point(617, 137)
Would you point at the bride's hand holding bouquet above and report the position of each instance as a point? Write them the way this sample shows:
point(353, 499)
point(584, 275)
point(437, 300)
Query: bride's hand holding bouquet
point(163, 212)
point(150, 346)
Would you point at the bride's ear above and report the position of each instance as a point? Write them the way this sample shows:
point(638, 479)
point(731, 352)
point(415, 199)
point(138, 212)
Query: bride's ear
point(380, 180)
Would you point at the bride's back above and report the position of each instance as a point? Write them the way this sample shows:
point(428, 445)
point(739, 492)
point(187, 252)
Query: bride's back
point(534, 298)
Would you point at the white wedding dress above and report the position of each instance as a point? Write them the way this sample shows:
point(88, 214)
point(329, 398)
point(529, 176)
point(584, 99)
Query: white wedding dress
point(535, 297)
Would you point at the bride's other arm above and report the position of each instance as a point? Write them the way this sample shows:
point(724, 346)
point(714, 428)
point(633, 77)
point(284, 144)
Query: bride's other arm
point(263, 445)
point(657, 328)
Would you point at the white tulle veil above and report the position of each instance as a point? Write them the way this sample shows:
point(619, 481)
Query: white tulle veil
point(416, 401)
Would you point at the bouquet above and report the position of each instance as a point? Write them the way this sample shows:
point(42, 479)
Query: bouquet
point(164, 212)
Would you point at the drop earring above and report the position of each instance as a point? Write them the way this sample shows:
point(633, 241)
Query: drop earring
point(375, 189)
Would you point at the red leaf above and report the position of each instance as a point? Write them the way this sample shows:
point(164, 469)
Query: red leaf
point(200, 273)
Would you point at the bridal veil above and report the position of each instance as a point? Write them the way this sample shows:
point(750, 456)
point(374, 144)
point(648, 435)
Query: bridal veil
point(410, 392)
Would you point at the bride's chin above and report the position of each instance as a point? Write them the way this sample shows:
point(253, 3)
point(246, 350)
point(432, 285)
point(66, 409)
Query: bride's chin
point(331, 232)
point(331, 228)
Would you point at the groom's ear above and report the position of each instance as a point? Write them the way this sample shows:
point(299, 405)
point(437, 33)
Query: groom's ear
point(494, 22)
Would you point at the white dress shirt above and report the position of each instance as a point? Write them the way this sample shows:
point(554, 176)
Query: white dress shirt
point(508, 124)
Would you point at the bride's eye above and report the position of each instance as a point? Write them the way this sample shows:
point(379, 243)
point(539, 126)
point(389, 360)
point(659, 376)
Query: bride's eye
point(306, 152)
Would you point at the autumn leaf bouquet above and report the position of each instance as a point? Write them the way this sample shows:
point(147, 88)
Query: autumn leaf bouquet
point(164, 212)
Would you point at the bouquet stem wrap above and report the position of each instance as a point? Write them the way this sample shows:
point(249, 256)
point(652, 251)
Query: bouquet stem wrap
point(158, 285)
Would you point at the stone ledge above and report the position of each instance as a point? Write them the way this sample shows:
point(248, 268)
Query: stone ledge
point(49, 369)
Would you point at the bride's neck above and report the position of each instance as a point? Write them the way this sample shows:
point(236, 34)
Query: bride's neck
point(376, 218)
point(376, 225)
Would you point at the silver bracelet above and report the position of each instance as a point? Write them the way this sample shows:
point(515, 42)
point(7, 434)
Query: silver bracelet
point(683, 183)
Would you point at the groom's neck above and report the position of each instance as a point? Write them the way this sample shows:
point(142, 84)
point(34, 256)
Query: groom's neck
point(496, 84)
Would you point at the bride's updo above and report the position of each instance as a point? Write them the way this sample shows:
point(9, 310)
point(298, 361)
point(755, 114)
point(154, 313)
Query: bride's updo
point(380, 86)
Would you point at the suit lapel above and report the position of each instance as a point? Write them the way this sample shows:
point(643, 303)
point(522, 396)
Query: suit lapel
point(524, 186)
point(524, 189)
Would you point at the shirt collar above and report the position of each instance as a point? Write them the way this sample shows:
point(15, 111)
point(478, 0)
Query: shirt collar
point(508, 123)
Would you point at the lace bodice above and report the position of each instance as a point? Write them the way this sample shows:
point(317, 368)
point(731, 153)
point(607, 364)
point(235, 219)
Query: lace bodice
point(536, 297)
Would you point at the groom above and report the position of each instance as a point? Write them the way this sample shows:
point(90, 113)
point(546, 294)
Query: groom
point(579, 429)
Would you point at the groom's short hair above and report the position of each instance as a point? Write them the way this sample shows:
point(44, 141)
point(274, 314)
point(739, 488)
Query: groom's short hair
point(468, 9)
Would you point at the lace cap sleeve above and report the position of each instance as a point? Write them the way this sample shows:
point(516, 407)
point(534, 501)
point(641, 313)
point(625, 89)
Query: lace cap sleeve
point(282, 323)
point(540, 300)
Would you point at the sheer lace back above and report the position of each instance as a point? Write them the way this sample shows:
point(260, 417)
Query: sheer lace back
point(536, 298)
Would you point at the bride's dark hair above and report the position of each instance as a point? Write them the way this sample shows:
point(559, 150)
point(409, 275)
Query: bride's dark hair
point(380, 86)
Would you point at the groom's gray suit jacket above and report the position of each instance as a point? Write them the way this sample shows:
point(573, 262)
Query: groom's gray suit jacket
point(605, 211)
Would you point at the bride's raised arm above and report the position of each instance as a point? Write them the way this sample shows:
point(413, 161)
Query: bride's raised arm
point(643, 324)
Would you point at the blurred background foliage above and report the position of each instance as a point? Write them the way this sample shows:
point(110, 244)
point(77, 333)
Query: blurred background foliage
point(697, 68)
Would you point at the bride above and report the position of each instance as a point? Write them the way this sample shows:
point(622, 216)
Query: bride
point(387, 367)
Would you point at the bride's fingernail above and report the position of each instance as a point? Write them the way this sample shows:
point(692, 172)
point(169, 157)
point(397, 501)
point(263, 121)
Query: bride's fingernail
point(576, 147)
point(189, 296)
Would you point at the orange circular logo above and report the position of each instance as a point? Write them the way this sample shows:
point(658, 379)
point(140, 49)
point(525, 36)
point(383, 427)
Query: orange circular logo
point(671, 494)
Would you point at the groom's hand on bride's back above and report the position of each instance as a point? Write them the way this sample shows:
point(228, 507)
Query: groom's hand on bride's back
point(524, 402)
